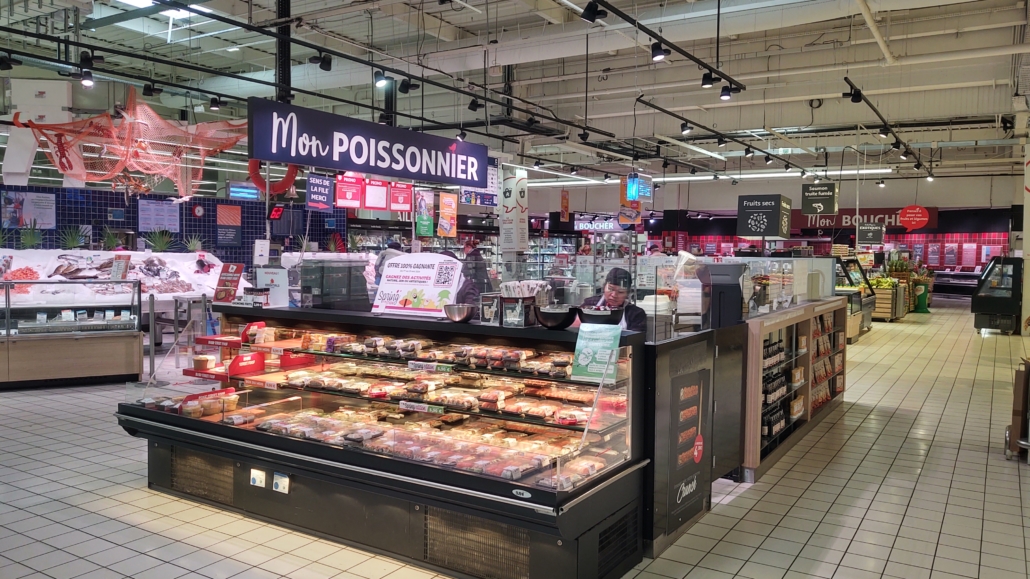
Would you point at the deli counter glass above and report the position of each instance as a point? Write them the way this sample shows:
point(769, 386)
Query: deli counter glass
point(853, 284)
point(997, 303)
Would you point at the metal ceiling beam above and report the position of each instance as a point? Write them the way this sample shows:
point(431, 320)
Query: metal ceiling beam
point(887, 125)
point(97, 23)
point(433, 26)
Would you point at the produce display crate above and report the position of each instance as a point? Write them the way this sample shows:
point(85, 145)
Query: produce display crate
point(884, 304)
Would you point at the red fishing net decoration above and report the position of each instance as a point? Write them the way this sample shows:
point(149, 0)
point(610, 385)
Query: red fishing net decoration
point(101, 148)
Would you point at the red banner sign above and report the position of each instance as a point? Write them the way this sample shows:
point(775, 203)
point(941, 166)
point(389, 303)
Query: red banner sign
point(400, 196)
point(914, 217)
point(348, 191)
point(845, 218)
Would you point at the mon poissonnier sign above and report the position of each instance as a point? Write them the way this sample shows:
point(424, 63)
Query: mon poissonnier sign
point(891, 217)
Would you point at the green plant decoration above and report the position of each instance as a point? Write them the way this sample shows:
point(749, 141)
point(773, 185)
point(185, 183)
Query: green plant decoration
point(31, 237)
point(109, 239)
point(71, 237)
point(160, 241)
point(5, 236)
point(194, 243)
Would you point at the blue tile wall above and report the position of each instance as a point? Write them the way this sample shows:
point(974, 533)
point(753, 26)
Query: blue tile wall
point(89, 207)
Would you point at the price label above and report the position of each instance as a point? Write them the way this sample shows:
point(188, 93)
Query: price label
point(67, 316)
point(272, 385)
point(429, 366)
point(421, 407)
point(277, 351)
point(40, 317)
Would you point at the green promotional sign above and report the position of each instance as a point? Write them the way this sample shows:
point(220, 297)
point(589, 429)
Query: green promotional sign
point(922, 291)
point(595, 346)
point(424, 213)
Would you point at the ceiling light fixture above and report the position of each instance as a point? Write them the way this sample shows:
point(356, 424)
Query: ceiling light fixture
point(592, 12)
point(685, 128)
point(715, 177)
point(787, 168)
point(768, 160)
point(87, 79)
point(379, 78)
point(749, 152)
point(726, 93)
point(929, 177)
point(537, 164)
point(474, 105)
point(573, 171)
point(708, 80)
point(917, 166)
point(855, 95)
point(461, 136)
point(607, 178)
point(905, 154)
point(532, 121)
point(817, 179)
point(721, 142)
point(584, 136)
point(734, 182)
point(658, 53)
point(7, 62)
point(665, 163)
point(407, 86)
point(884, 132)
point(693, 170)
point(215, 103)
point(895, 145)
point(148, 89)
point(881, 183)
point(384, 119)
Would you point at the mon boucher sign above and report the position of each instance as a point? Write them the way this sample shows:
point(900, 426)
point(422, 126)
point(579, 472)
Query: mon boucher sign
point(283, 133)
point(763, 216)
point(891, 217)
point(819, 199)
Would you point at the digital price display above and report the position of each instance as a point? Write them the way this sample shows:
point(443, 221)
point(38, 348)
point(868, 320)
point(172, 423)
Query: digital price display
point(275, 212)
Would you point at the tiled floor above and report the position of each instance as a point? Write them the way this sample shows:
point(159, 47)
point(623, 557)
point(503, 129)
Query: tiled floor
point(906, 480)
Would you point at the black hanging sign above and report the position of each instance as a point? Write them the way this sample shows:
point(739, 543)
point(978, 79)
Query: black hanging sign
point(819, 199)
point(870, 233)
point(763, 216)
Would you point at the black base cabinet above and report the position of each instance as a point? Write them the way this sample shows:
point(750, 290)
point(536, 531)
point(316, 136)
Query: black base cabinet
point(456, 521)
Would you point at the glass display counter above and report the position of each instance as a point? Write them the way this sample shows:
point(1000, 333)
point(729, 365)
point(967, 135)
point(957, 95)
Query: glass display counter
point(95, 325)
point(853, 284)
point(999, 294)
point(434, 428)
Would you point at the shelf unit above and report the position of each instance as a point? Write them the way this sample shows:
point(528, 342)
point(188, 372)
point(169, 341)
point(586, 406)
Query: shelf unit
point(811, 340)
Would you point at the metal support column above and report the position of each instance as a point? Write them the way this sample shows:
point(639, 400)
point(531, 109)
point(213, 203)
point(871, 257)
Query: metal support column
point(282, 53)
point(390, 103)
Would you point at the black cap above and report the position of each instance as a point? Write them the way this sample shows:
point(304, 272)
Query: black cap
point(393, 245)
point(619, 277)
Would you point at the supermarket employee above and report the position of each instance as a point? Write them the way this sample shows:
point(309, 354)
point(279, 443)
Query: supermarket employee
point(616, 289)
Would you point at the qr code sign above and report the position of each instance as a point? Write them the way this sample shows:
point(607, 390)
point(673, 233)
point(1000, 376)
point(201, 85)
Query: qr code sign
point(445, 274)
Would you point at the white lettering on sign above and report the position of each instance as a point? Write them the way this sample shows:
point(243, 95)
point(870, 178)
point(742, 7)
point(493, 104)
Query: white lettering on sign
point(685, 488)
point(595, 226)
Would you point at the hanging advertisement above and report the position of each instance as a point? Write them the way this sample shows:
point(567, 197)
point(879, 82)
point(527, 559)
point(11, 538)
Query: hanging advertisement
point(564, 205)
point(447, 226)
point(154, 216)
point(763, 216)
point(486, 197)
point(870, 234)
point(418, 284)
point(228, 225)
point(320, 192)
point(819, 198)
point(629, 209)
point(639, 187)
point(400, 196)
point(285, 133)
point(424, 200)
point(377, 194)
point(348, 191)
point(514, 227)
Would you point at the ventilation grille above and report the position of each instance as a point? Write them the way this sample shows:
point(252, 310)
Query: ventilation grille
point(617, 542)
point(202, 475)
point(476, 546)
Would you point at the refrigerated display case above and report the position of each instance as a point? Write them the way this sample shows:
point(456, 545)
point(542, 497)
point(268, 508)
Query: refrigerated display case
point(853, 284)
point(462, 447)
point(93, 325)
point(997, 303)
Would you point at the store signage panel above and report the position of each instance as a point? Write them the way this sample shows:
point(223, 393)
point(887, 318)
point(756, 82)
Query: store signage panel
point(590, 225)
point(400, 196)
point(564, 206)
point(629, 209)
point(320, 193)
point(763, 216)
point(913, 217)
point(377, 194)
point(155, 216)
point(488, 196)
point(284, 133)
point(349, 190)
point(870, 234)
point(819, 198)
point(514, 227)
point(639, 187)
point(447, 225)
point(845, 218)
point(418, 284)
point(424, 200)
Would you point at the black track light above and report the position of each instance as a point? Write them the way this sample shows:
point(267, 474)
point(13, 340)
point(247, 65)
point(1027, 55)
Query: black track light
point(323, 60)
point(607, 178)
point(75, 75)
point(407, 86)
point(7, 62)
point(726, 93)
point(707, 80)
point(532, 121)
point(584, 136)
point(721, 142)
point(379, 77)
point(573, 171)
point(658, 53)
point(537, 164)
point(929, 177)
point(883, 133)
point(87, 79)
point(787, 167)
point(917, 166)
point(768, 160)
point(895, 145)
point(693, 170)
point(85, 59)
point(855, 95)
point(461, 136)
point(734, 182)
point(881, 183)
point(715, 177)
point(685, 128)
point(474, 105)
point(817, 179)
point(749, 152)
point(384, 119)
point(592, 12)
point(215, 104)
point(665, 163)
point(148, 90)
point(804, 173)
point(905, 154)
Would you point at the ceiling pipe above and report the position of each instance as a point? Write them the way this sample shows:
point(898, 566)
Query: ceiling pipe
point(875, 29)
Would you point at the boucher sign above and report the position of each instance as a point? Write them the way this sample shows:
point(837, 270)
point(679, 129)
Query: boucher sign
point(596, 226)
point(284, 133)
point(891, 217)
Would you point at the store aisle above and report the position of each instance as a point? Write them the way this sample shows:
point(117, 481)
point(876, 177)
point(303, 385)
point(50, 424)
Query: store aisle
point(907, 479)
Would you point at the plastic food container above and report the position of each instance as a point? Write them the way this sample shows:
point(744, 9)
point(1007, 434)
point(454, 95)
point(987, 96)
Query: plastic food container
point(202, 362)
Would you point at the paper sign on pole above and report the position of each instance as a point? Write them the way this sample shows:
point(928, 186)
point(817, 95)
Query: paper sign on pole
point(597, 347)
point(447, 226)
point(418, 284)
point(514, 228)
point(424, 213)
